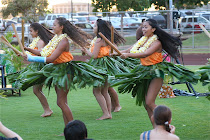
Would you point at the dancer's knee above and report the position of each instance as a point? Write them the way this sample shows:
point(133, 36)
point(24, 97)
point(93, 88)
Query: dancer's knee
point(36, 91)
point(150, 106)
point(60, 103)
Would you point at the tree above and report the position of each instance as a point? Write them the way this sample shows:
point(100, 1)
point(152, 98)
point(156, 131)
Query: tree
point(103, 5)
point(30, 9)
point(122, 5)
point(136, 5)
point(179, 3)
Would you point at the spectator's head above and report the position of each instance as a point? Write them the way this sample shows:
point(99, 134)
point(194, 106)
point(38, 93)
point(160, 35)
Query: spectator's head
point(75, 130)
point(162, 116)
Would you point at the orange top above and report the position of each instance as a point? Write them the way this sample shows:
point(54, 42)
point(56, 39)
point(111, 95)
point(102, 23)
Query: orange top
point(152, 59)
point(63, 58)
point(104, 51)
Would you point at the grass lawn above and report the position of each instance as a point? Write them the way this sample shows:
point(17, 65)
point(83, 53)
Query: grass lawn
point(199, 40)
point(22, 114)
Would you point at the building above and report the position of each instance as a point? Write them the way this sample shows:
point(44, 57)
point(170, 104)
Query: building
point(66, 8)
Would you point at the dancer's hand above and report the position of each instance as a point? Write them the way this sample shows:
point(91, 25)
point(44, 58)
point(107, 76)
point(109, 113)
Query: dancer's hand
point(25, 48)
point(124, 55)
point(84, 50)
point(172, 129)
point(25, 57)
point(113, 54)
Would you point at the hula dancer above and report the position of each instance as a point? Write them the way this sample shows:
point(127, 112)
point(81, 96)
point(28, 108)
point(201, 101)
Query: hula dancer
point(100, 52)
point(145, 80)
point(40, 38)
point(61, 72)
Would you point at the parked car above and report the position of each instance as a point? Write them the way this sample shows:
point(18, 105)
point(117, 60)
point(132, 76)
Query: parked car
point(187, 23)
point(2, 25)
point(85, 27)
point(204, 14)
point(49, 19)
point(9, 22)
point(116, 23)
point(27, 36)
point(160, 20)
point(89, 19)
point(130, 22)
point(140, 19)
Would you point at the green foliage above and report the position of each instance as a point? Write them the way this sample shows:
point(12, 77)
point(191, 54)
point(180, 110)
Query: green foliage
point(103, 5)
point(137, 5)
point(30, 9)
point(190, 4)
point(122, 5)
point(10, 59)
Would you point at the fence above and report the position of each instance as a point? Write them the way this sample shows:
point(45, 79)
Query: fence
point(184, 23)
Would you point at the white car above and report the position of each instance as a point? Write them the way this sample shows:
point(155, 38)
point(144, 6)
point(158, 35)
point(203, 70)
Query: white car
point(88, 19)
point(49, 19)
point(116, 22)
point(130, 22)
point(27, 36)
point(187, 23)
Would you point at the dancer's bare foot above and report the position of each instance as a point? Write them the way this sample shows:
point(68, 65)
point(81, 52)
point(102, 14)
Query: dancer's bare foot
point(47, 113)
point(117, 109)
point(104, 117)
point(62, 134)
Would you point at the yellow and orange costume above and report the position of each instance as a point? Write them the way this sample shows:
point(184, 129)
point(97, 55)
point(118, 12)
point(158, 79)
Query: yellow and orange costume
point(138, 79)
point(63, 72)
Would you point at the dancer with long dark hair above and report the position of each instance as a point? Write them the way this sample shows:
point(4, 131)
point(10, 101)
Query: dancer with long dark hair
point(62, 73)
point(145, 80)
point(40, 38)
point(100, 51)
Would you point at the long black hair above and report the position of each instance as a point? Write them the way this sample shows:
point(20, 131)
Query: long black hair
point(77, 35)
point(169, 43)
point(42, 32)
point(105, 28)
point(162, 116)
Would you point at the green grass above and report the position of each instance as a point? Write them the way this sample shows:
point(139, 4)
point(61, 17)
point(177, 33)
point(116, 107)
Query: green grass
point(22, 114)
point(199, 40)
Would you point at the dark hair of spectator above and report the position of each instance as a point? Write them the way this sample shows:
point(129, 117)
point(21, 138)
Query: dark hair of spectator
point(75, 130)
point(162, 116)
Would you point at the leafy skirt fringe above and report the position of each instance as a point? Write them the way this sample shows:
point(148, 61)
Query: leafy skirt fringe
point(66, 75)
point(137, 80)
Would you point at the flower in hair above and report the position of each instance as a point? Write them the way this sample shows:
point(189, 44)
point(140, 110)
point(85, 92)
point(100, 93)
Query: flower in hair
point(166, 123)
